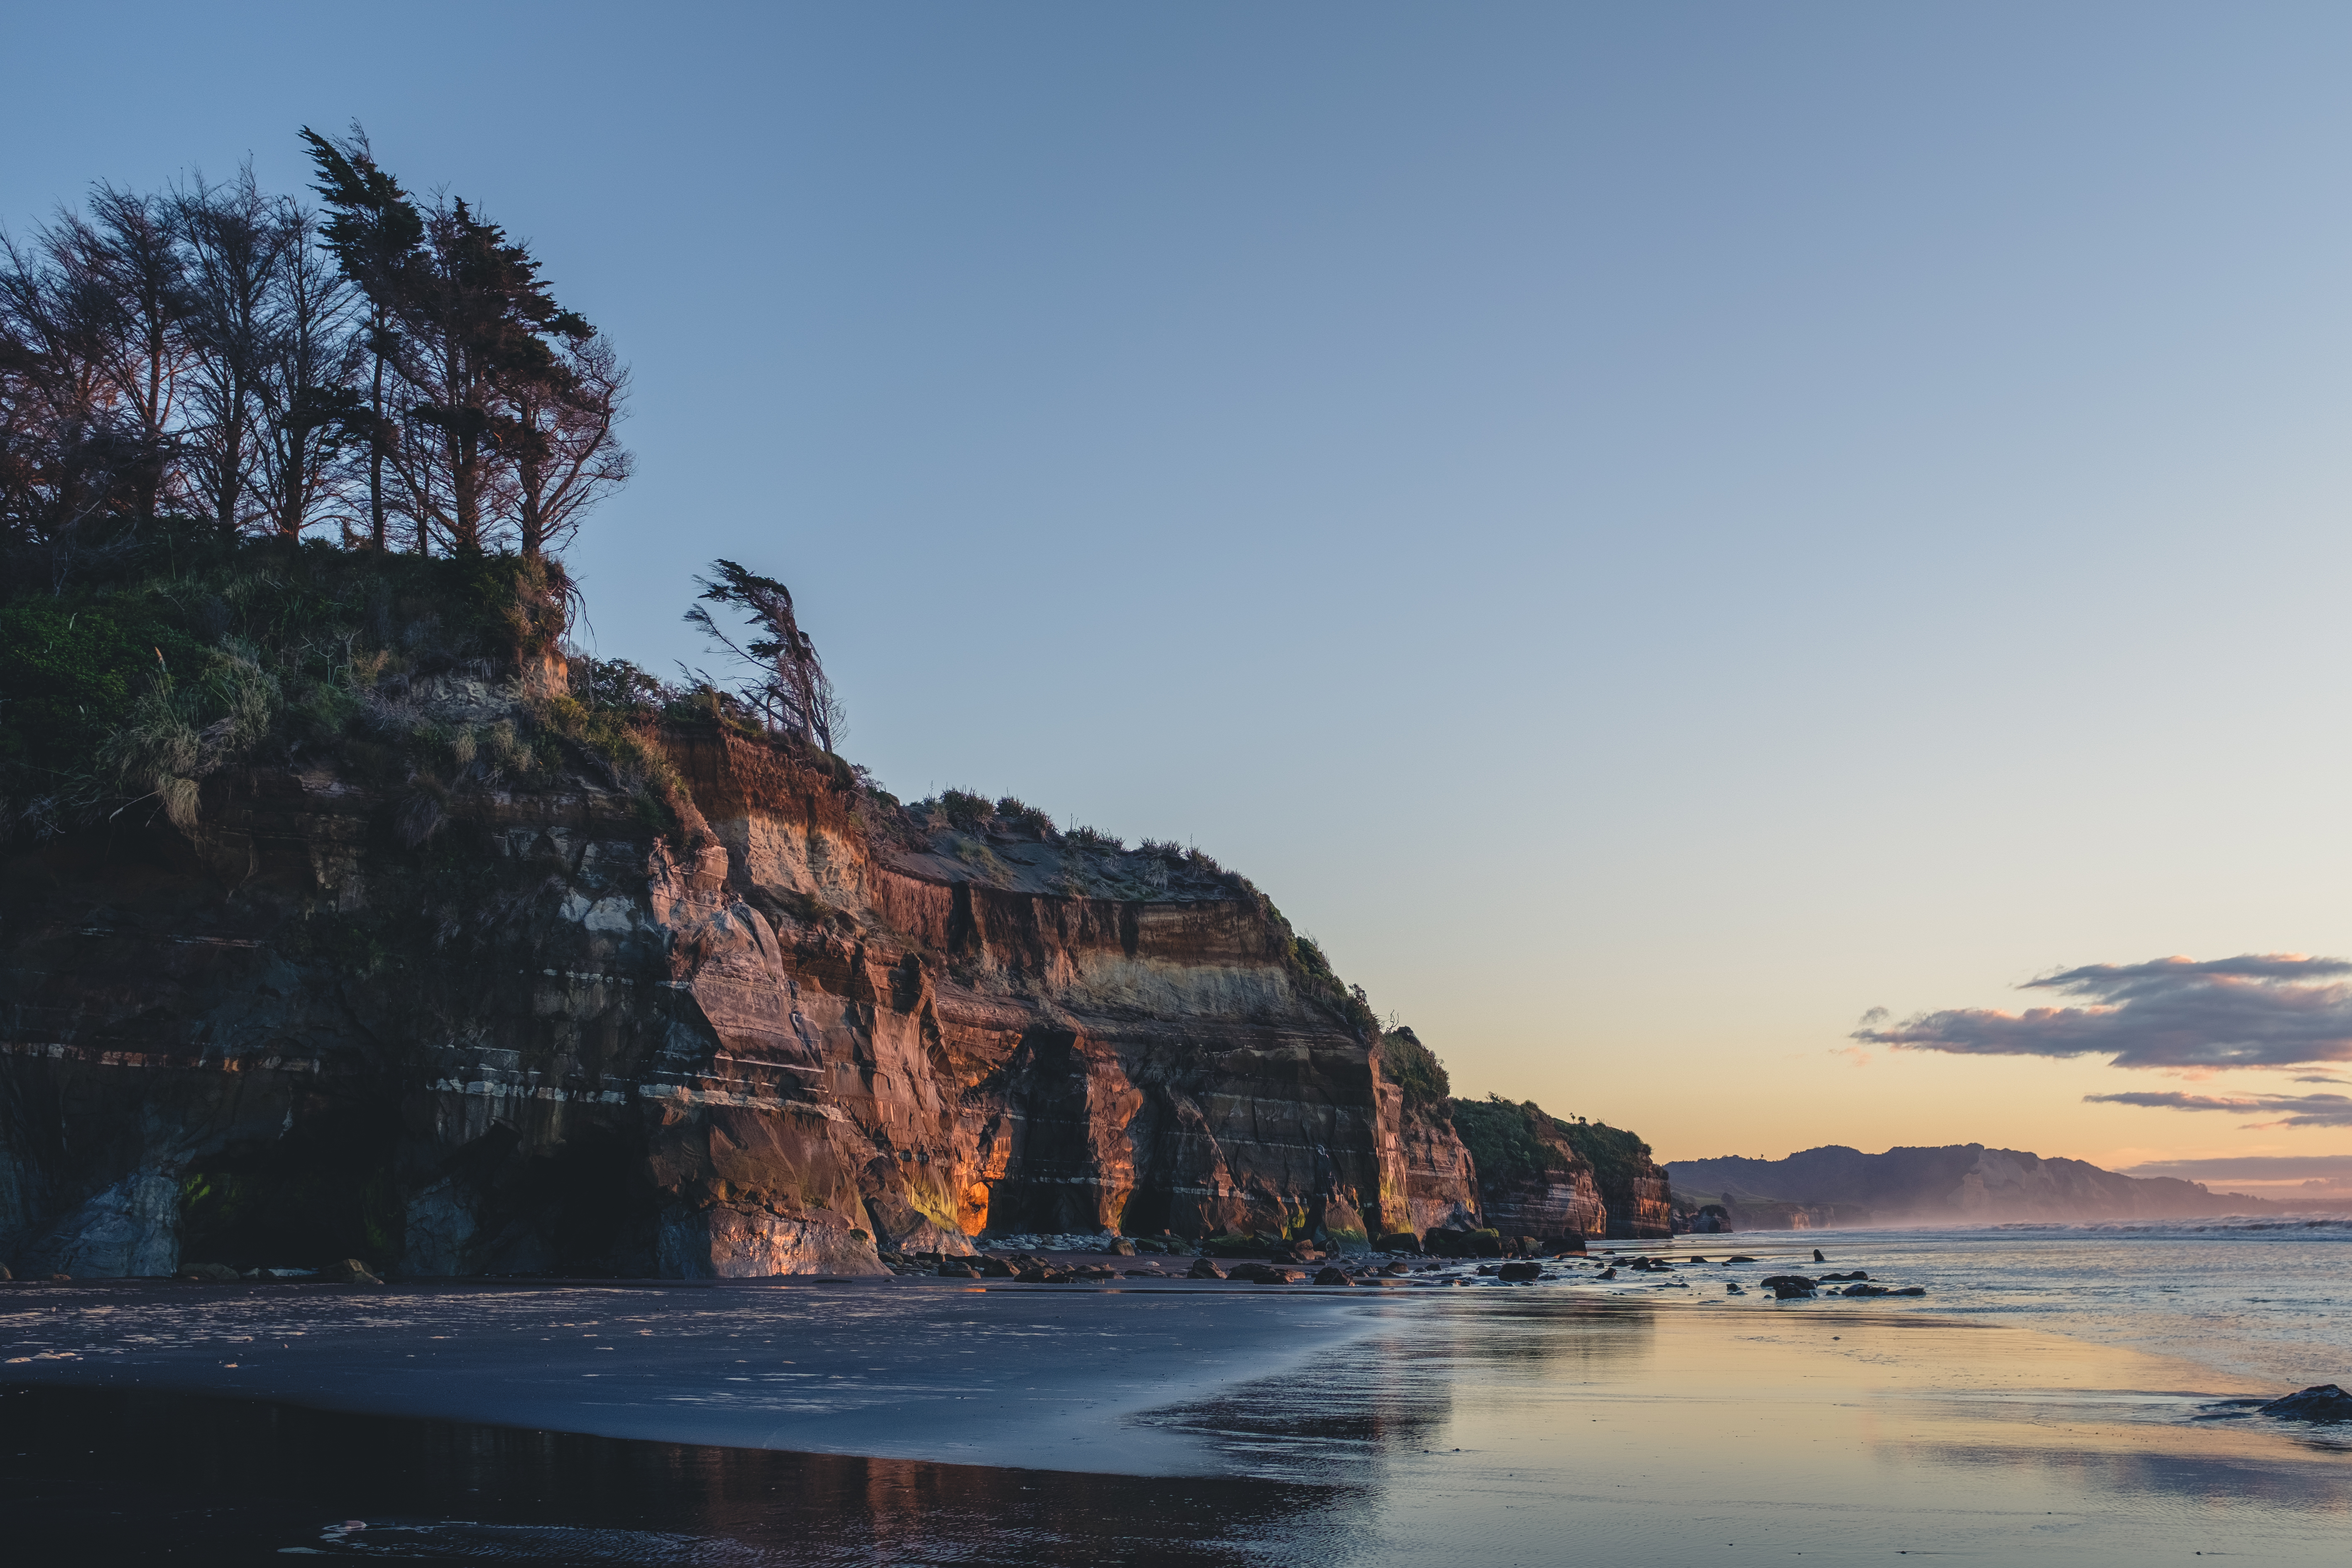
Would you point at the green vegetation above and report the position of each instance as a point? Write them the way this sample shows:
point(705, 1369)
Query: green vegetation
point(1615, 1155)
point(1413, 1067)
point(186, 656)
point(1506, 1140)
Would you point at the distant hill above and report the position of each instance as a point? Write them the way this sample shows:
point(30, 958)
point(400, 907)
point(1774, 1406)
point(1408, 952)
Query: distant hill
point(1958, 1183)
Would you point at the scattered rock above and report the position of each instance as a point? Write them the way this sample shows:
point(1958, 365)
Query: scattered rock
point(1737, 1257)
point(1733, 1287)
point(1145, 1273)
point(348, 1271)
point(1864, 1290)
point(955, 1270)
point(61, 1279)
point(1608, 1273)
point(1515, 1273)
point(1910, 1291)
point(1817, 1256)
point(212, 1273)
point(1203, 1269)
point(1332, 1276)
point(1402, 1241)
point(1122, 1249)
point(2320, 1401)
point(1788, 1287)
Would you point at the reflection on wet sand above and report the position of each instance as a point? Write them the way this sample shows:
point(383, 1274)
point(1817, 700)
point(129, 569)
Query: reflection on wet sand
point(1512, 1425)
point(1510, 1422)
point(127, 1475)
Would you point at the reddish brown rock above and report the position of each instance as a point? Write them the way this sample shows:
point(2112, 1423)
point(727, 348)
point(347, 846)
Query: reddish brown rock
point(548, 1039)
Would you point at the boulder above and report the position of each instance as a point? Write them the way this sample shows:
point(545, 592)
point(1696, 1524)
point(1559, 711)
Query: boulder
point(2320, 1401)
point(996, 1269)
point(208, 1273)
point(955, 1268)
point(1401, 1241)
point(1817, 1256)
point(1122, 1248)
point(1518, 1273)
point(1332, 1276)
point(348, 1271)
point(1203, 1268)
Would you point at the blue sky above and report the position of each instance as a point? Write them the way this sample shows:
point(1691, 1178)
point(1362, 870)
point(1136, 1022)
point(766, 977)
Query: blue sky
point(1648, 530)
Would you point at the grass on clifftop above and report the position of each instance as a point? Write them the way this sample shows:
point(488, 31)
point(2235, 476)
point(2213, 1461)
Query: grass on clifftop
point(1507, 1141)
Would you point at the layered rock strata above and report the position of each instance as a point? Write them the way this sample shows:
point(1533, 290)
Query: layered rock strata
point(534, 1032)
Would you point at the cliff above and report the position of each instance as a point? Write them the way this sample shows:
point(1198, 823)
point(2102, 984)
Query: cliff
point(430, 955)
point(1958, 1183)
point(1549, 1177)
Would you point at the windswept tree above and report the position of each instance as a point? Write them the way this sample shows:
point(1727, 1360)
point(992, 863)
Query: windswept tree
point(377, 234)
point(488, 334)
point(220, 355)
point(789, 689)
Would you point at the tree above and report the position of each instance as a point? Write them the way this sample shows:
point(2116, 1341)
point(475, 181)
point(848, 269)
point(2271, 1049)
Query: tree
point(69, 462)
point(311, 411)
point(375, 235)
point(488, 333)
point(234, 243)
point(558, 430)
point(791, 690)
point(125, 279)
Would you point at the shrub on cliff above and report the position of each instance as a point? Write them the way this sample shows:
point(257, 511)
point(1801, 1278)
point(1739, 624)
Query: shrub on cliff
point(190, 653)
point(1415, 1069)
point(1505, 1140)
point(1615, 1155)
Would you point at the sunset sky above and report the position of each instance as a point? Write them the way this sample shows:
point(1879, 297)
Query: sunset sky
point(1651, 531)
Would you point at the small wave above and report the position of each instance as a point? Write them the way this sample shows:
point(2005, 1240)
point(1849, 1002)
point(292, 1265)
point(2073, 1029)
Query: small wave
point(465, 1541)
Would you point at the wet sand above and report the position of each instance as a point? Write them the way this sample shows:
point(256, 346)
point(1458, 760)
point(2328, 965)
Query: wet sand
point(1221, 1424)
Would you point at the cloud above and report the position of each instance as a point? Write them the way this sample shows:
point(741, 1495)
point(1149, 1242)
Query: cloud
point(2292, 1109)
point(2268, 1009)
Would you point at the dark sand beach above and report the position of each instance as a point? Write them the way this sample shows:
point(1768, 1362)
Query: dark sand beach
point(922, 1421)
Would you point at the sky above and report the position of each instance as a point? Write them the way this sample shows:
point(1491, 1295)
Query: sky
point(1664, 537)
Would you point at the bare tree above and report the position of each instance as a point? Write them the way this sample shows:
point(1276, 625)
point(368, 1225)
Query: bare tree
point(68, 463)
point(791, 690)
point(235, 242)
point(312, 411)
point(558, 432)
point(124, 273)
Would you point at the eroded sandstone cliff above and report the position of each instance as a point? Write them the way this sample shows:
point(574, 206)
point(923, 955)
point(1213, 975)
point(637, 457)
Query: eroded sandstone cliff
point(523, 1026)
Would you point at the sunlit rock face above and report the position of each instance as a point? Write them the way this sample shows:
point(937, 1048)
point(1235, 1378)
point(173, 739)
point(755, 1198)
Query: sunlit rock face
point(553, 1038)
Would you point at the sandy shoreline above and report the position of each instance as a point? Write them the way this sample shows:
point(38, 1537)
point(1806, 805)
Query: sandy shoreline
point(1393, 1425)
